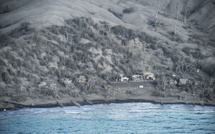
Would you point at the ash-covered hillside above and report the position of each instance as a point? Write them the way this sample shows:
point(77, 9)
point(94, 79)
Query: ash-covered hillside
point(48, 46)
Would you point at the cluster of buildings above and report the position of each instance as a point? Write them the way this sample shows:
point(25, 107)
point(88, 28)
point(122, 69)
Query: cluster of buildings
point(47, 84)
point(145, 76)
point(66, 82)
point(148, 76)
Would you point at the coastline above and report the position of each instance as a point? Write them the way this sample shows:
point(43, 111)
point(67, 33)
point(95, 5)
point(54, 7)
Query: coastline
point(43, 103)
point(124, 94)
point(106, 55)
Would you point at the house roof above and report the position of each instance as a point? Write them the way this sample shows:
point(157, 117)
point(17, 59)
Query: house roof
point(81, 78)
point(124, 78)
point(136, 75)
point(147, 73)
point(183, 81)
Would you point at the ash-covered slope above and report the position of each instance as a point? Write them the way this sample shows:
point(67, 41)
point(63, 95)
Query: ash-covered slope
point(128, 13)
point(46, 45)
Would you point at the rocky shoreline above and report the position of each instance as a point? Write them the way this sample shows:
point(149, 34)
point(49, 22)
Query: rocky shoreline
point(97, 99)
point(124, 93)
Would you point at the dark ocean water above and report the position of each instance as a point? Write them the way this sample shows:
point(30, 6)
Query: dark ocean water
point(127, 118)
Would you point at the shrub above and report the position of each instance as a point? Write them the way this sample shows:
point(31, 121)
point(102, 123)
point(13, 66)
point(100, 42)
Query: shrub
point(128, 10)
point(158, 93)
point(6, 9)
point(24, 29)
point(5, 77)
point(118, 15)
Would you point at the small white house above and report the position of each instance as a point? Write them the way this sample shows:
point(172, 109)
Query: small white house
point(81, 79)
point(182, 82)
point(136, 76)
point(42, 84)
point(67, 82)
point(53, 85)
point(124, 79)
point(149, 76)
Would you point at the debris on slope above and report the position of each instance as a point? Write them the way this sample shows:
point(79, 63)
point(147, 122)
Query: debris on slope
point(84, 54)
point(37, 63)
